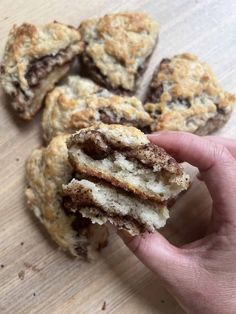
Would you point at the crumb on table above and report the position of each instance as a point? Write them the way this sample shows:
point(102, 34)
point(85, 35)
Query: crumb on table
point(21, 274)
point(104, 306)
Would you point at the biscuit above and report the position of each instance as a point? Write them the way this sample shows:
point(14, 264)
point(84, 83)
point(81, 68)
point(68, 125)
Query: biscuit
point(35, 58)
point(124, 157)
point(117, 48)
point(184, 95)
point(81, 103)
point(103, 203)
point(47, 170)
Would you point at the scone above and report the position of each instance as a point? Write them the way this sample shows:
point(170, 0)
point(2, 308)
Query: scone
point(185, 95)
point(103, 203)
point(117, 48)
point(47, 170)
point(35, 58)
point(124, 157)
point(81, 103)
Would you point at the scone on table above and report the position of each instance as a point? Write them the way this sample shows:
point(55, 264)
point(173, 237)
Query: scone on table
point(35, 58)
point(122, 178)
point(80, 103)
point(184, 95)
point(47, 170)
point(117, 49)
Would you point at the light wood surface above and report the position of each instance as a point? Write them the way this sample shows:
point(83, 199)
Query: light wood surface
point(54, 282)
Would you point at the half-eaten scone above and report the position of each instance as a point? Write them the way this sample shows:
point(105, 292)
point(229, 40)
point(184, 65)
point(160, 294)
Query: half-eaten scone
point(184, 95)
point(124, 157)
point(35, 58)
point(80, 103)
point(47, 170)
point(102, 202)
point(117, 49)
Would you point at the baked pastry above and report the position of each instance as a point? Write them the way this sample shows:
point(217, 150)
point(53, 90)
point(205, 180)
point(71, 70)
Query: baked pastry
point(124, 157)
point(81, 103)
point(184, 95)
point(47, 169)
point(117, 48)
point(103, 203)
point(35, 58)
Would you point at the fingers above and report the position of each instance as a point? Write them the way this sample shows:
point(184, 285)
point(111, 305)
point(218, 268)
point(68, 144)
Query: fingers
point(230, 144)
point(196, 150)
point(156, 253)
point(217, 166)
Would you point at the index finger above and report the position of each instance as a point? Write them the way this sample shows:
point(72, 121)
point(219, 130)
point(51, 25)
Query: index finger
point(215, 163)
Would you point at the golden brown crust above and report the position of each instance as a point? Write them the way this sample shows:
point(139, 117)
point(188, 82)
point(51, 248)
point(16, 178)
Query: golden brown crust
point(31, 54)
point(47, 169)
point(81, 103)
point(185, 95)
point(118, 45)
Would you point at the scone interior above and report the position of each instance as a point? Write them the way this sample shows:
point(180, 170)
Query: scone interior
point(80, 103)
point(124, 157)
point(184, 95)
point(47, 170)
point(103, 203)
point(117, 48)
point(35, 58)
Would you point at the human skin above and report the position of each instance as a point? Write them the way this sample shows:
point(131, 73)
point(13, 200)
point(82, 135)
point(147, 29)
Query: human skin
point(201, 275)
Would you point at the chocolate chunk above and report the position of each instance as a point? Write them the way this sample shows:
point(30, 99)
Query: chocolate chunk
point(154, 94)
point(80, 222)
point(96, 146)
point(179, 102)
point(2, 69)
point(220, 110)
point(107, 118)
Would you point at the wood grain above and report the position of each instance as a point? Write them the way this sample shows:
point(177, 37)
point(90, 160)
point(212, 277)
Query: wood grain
point(54, 282)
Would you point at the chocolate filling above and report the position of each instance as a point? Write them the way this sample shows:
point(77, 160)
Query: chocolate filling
point(39, 68)
point(154, 93)
point(120, 221)
point(109, 117)
point(156, 88)
point(80, 200)
point(96, 146)
point(90, 70)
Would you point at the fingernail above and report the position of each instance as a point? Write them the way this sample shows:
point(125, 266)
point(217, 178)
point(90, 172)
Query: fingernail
point(155, 134)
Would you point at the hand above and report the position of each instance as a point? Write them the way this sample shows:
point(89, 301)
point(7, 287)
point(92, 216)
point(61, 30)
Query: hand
point(200, 275)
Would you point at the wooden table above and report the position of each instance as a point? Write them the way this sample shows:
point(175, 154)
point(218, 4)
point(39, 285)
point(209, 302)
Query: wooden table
point(54, 282)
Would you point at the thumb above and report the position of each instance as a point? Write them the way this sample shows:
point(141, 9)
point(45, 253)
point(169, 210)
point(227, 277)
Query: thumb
point(153, 250)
